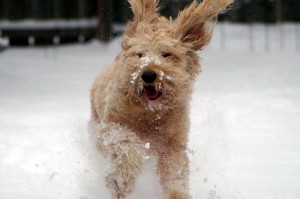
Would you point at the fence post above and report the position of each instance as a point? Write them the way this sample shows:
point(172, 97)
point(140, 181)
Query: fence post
point(105, 19)
point(279, 11)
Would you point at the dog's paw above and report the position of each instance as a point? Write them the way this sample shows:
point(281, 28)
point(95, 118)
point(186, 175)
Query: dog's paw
point(118, 185)
point(125, 168)
point(178, 195)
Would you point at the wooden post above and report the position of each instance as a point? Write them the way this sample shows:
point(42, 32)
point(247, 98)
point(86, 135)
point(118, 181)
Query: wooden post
point(279, 11)
point(81, 9)
point(105, 20)
point(57, 9)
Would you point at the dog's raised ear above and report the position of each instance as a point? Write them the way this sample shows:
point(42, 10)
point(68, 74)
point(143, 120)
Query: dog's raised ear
point(143, 11)
point(195, 23)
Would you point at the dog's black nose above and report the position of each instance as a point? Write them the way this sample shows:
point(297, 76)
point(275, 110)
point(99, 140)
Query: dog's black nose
point(149, 76)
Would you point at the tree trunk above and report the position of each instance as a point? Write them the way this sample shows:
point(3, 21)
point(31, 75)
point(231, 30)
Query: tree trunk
point(105, 19)
point(279, 11)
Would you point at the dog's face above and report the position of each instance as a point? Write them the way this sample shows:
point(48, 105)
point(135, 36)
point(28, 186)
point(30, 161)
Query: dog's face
point(158, 62)
point(156, 68)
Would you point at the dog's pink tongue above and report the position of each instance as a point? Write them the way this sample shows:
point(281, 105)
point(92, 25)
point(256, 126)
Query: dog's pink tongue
point(151, 93)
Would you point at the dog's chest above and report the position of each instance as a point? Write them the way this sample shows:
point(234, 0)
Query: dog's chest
point(146, 124)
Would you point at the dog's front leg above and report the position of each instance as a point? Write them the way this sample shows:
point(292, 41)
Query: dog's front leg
point(173, 168)
point(126, 153)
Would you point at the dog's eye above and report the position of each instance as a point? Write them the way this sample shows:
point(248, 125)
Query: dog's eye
point(140, 55)
point(166, 54)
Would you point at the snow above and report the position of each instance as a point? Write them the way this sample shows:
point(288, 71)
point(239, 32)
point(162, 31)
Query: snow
point(147, 145)
point(4, 42)
point(244, 138)
point(146, 60)
point(161, 75)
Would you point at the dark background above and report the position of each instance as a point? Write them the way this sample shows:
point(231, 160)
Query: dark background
point(107, 13)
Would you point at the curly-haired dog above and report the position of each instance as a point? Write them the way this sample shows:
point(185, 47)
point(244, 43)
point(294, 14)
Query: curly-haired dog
point(142, 99)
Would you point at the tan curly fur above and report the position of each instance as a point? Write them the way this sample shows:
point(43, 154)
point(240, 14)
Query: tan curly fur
point(128, 111)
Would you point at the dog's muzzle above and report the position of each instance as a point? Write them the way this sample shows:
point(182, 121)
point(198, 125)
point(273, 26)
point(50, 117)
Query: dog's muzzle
point(151, 90)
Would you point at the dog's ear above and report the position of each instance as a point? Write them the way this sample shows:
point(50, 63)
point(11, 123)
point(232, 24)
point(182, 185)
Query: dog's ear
point(195, 23)
point(143, 11)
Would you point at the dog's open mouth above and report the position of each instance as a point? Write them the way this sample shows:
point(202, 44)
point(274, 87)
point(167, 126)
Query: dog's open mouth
point(152, 93)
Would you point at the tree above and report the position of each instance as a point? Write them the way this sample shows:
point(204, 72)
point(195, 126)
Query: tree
point(105, 19)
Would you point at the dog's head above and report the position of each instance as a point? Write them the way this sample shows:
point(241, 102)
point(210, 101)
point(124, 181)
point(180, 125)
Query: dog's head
point(158, 61)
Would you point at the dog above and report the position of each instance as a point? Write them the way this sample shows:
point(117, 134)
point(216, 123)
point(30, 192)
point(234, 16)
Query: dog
point(140, 103)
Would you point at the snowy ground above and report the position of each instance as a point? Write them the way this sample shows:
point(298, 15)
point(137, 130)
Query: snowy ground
point(245, 133)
